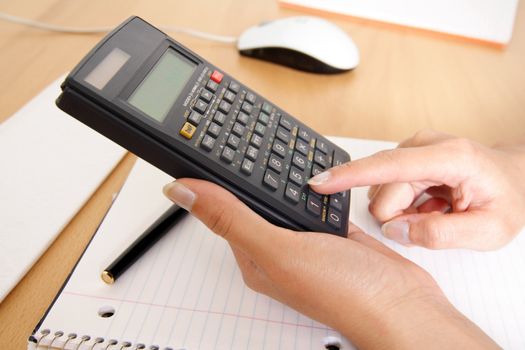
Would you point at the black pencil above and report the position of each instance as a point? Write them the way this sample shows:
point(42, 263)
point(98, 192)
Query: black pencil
point(146, 240)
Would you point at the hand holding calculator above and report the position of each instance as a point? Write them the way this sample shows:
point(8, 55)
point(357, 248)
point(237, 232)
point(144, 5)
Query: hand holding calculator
point(177, 111)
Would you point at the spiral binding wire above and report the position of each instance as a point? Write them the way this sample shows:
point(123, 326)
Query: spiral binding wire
point(57, 340)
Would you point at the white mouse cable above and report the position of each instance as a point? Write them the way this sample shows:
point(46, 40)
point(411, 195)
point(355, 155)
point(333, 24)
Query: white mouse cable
point(94, 30)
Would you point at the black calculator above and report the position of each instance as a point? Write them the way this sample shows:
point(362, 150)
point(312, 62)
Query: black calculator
point(153, 96)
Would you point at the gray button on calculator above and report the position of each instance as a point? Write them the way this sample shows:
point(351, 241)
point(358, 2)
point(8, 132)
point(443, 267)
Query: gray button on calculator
point(219, 118)
point(334, 218)
point(260, 129)
point(212, 86)
point(264, 118)
point(292, 193)
point(250, 97)
point(229, 96)
point(200, 106)
point(214, 130)
point(246, 107)
point(302, 147)
point(296, 176)
point(243, 118)
point(227, 154)
point(286, 123)
point(194, 118)
point(234, 86)
point(206, 95)
point(238, 129)
point(275, 163)
point(247, 166)
point(207, 143)
point(225, 107)
point(251, 153)
point(313, 205)
point(233, 141)
point(279, 148)
point(256, 140)
point(271, 180)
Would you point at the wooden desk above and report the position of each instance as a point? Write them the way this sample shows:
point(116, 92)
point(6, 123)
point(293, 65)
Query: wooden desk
point(406, 81)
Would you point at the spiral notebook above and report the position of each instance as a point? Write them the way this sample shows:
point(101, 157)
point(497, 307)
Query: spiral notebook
point(187, 291)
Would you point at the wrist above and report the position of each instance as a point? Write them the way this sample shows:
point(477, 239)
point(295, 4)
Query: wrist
point(428, 322)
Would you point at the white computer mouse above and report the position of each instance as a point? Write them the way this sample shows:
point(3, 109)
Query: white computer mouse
point(307, 43)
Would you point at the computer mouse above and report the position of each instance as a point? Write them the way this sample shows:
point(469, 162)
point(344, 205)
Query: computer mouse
point(306, 43)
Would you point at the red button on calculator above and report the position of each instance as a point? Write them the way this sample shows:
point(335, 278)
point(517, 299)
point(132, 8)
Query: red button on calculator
point(217, 76)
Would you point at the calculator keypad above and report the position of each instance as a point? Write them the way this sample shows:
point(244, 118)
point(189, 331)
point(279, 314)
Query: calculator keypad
point(252, 137)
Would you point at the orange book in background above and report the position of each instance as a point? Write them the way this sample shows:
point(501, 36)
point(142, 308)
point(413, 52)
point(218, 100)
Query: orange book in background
point(484, 21)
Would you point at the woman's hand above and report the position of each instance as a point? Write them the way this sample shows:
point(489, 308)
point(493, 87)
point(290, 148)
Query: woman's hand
point(476, 193)
point(375, 297)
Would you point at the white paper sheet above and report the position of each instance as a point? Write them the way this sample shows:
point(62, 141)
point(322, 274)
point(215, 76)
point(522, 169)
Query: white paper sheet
point(50, 164)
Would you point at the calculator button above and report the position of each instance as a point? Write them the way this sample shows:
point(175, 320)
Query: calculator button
point(219, 118)
point(206, 96)
point(251, 153)
point(234, 86)
point(320, 158)
point(283, 135)
point(238, 129)
point(250, 97)
point(229, 96)
point(233, 141)
point(299, 160)
point(316, 170)
point(264, 118)
point(267, 108)
point(212, 86)
point(227, 154)
point(214, 130)
point(246, 107)
point(271, 180)
point(200, 106)
point(336, 202)
point(286, 123)
point(260, 129)
point(292, 193)
point(279, 148)
point(187, 130)
point(334, 218)
point(296, 176)
point(305, 135)
point(225, 107)
point(338, 159)
point(217, 76)
point(194, 118)
point(313, 205)
point(275, 163)
point(302, 147)
point(322, 146)
point(247, 166)
point(207, 143)
point(256, 140)
point(243, 118)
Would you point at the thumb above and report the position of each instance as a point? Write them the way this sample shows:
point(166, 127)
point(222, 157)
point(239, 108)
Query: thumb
point(224, 214)
point(439, 230)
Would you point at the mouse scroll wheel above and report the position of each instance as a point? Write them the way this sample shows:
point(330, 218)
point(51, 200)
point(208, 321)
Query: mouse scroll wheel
point(265, 23)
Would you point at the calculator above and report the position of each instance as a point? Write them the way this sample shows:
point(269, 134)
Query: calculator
point(174, 109)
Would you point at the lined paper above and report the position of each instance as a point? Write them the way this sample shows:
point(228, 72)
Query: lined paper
point(187, 291)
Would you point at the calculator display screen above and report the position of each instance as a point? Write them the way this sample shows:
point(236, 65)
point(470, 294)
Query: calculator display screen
point(162, 86)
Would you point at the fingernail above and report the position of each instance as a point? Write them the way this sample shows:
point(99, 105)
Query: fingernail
point(320, 178)
point(397, 231)
point(180, 194)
